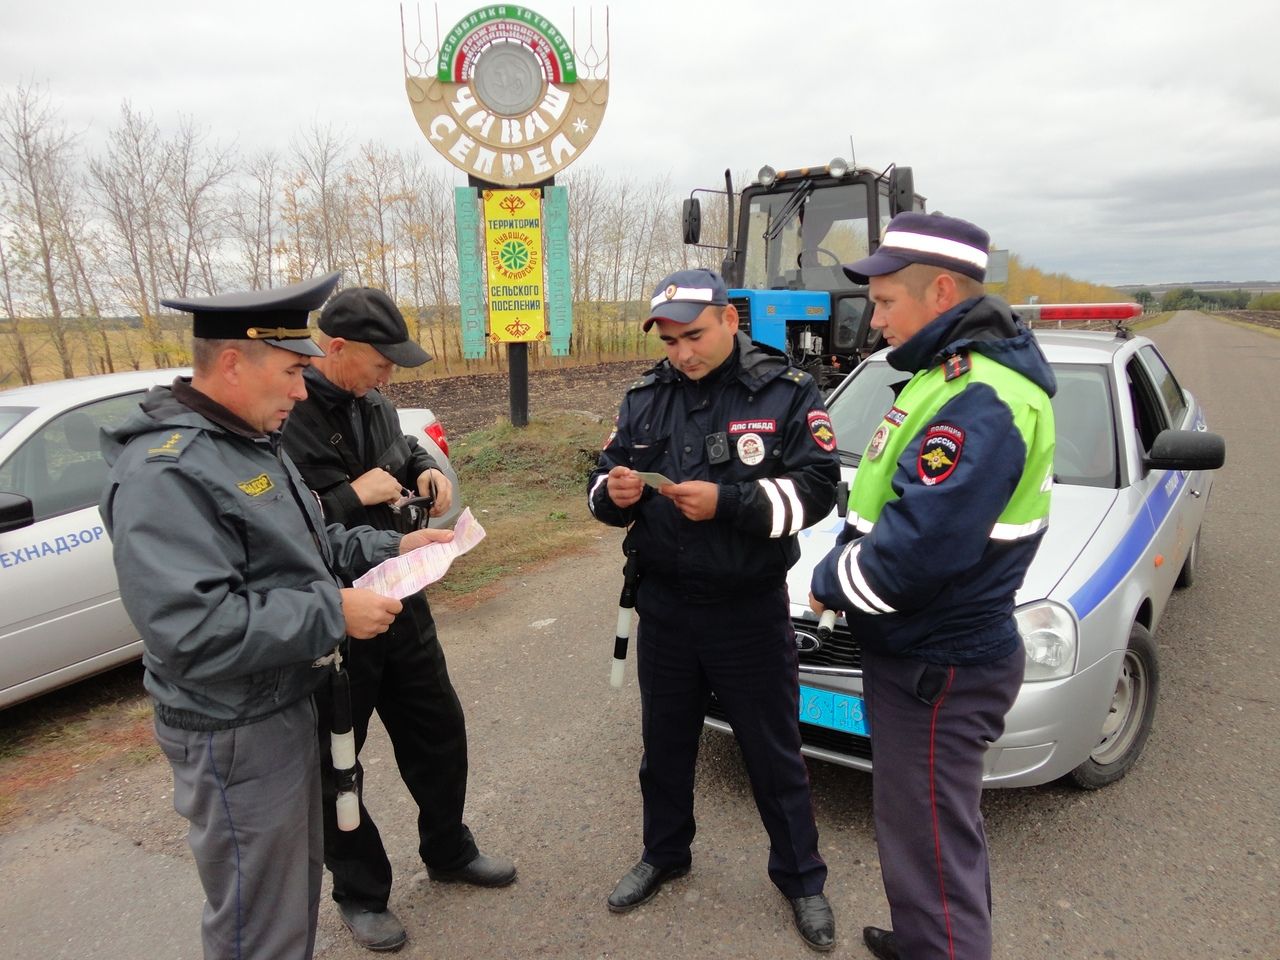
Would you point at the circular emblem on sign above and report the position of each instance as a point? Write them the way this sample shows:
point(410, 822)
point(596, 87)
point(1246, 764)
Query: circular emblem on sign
point(514, 255)
point(878, 440)
point(750, 449)
point(670, 291)
point(507, 79)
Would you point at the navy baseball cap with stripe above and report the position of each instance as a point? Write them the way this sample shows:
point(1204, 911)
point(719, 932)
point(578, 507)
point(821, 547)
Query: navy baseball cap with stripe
point(931, 238)
point(685, 294)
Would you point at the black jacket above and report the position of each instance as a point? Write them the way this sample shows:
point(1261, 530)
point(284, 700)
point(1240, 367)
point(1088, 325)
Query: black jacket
point(319, 438)
point(757, 427)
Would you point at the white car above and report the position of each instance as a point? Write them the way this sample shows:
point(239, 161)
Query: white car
point(1132, 476)
point(61, 618)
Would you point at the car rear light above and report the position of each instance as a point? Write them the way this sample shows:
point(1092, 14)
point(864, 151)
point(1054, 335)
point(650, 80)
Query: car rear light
point(436, 432)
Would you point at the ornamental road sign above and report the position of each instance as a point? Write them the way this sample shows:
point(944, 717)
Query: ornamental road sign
point(505, 99)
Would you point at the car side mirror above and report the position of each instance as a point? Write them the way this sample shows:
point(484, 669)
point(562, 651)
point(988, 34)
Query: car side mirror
point(1186, 450)
point(691, 220)
point(16, 512)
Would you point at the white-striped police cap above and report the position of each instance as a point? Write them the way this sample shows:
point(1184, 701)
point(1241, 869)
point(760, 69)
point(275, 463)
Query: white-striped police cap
point(947, 242)
point(685, 294)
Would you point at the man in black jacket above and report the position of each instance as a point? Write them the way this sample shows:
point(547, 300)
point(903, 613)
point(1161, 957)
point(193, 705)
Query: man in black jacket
point(348, 445)
point(747, 446)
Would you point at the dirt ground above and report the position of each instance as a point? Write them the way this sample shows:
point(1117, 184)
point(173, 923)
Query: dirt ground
point(471, 402)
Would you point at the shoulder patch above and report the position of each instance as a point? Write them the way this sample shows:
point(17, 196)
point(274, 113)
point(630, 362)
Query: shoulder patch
point(795, 376)
point(646, 381)
point(173, 445)
point(824, 435)
point(939, 453)
point(956, 366)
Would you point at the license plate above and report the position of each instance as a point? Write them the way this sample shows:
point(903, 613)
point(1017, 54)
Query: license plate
point(835, 711)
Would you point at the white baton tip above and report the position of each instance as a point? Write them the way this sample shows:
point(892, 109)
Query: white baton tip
point(342, 748)
point(348, 805)
point(616, 671)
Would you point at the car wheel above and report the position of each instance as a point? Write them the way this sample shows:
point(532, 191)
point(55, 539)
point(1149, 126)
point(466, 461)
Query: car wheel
point(1187, 575)
point(1128, 721)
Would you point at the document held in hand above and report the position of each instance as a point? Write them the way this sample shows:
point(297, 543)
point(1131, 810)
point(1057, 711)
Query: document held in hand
point(401, 576)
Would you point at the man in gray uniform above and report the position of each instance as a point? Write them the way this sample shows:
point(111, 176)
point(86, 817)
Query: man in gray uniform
point(234, 582)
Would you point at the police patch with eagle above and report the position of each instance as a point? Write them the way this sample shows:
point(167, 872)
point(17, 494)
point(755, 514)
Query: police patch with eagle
point(939, 453)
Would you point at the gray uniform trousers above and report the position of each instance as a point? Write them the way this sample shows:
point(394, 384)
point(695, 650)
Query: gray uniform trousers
point(252, 797)
point(930, 729)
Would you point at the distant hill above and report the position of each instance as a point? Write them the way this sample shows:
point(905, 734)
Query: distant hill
point(1160, 289)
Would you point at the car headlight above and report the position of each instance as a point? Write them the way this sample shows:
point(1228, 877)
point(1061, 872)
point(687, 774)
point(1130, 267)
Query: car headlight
point(1051, 639)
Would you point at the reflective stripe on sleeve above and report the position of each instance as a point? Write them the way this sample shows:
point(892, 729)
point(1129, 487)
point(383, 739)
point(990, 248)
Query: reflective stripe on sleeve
point(1018, 531)
point(784, 501)
point(591, 498)
point(855, 585)
point(861, 524)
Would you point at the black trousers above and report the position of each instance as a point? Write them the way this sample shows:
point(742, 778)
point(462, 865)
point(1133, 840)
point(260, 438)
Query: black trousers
point(930, 729)
point(401, 674)
point(743, 650)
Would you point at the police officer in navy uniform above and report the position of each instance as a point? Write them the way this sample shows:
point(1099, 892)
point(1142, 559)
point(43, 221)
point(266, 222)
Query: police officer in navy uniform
point(748, 445)
point(235, 583)
point(347, 442)
point(949, 505)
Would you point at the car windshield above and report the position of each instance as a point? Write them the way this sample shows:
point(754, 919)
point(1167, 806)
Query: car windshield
point(11, 415)
point(1086, 450)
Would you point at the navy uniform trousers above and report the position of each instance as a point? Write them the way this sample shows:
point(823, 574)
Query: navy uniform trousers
point(930, 729)
point(743, 649)
point(401, 674)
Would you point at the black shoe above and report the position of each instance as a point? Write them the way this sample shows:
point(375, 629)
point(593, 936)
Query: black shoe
point(641, 884)
point(814, 920)
point(483, 871)
point(881, 943)
point(373, 930)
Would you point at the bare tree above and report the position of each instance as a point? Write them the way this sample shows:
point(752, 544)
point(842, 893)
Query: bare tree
point(254, 223)
point(129, 184)
point(194, 223)
point(78, 248)
point(17, 342)
point(33, 145)
point(319, 155)
point(376, 179)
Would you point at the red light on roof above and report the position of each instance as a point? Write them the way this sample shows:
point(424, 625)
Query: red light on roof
point(1078, 311)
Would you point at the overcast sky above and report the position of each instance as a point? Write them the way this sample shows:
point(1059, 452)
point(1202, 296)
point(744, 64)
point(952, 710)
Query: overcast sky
point(1119, 142)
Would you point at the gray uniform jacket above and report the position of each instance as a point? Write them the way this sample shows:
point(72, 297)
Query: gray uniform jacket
point(225, 563)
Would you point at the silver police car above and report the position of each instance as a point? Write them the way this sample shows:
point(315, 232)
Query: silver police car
point(1133, 472)
point(60, 614)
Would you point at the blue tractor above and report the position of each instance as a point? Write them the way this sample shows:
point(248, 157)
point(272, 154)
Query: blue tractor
point(794, 228)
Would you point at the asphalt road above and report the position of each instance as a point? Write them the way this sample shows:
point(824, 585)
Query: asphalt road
point(1178, 860)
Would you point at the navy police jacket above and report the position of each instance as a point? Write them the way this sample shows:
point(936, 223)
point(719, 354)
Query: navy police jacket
point(757, 427)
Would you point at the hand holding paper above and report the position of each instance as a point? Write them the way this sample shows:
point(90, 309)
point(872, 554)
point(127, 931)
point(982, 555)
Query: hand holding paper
point(400, 577)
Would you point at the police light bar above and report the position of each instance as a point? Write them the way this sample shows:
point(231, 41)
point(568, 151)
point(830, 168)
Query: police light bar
point(1031, 312)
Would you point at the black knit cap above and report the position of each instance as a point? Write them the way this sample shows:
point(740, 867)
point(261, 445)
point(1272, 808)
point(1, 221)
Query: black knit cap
point(368, 315)
point(277, 316)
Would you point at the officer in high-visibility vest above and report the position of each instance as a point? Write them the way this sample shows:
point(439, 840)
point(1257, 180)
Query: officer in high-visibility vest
point(948, 508)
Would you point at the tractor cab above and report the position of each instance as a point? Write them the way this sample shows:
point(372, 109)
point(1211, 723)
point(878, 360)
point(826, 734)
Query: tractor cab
point(794, 228)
